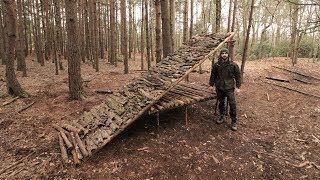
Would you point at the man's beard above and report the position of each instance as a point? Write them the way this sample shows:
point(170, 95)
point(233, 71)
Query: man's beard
point(225, 58)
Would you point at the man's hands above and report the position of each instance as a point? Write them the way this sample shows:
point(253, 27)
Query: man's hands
point(237, 90)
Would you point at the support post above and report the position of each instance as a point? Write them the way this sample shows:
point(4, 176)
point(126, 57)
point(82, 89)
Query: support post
point(158, 119)
point(186, 115)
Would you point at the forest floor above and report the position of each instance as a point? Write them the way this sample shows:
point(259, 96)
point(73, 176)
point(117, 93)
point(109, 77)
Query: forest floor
point(278, 134)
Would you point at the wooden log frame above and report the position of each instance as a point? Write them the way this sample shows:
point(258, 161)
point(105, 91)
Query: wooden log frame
point(99, 128)
point(154, 101)
point(172, 100)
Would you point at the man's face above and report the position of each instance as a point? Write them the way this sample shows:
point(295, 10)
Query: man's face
point(224, 55)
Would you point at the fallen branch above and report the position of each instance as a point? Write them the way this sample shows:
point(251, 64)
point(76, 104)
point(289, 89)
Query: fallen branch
point(10, 101)
point(303, 81)
point(103, 91)
point(302, 74)
point(16, 163)
point(26, 107)
point(295, 90)
point(277, 79)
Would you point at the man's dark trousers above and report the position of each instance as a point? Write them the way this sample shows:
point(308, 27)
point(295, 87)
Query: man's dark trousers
point(232, 103)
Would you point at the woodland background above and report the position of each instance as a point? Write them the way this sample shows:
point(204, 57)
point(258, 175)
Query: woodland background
point(56, 54)
point(83, 31)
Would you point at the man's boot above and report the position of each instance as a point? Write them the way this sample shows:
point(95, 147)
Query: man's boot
point(234, 126)
point(220, 120)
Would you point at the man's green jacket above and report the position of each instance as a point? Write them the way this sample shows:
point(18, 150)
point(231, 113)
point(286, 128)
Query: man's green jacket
point(225, 75)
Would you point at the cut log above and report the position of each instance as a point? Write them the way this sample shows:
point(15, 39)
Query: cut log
point(75, 145)
point(103, 91)
point(300, 73)
point(63, 134)
point(295, 90)
point(277, 79)
point(302, 80)
point(72, 128)
point(66, 140)
point(63, 149)
point(81, 145)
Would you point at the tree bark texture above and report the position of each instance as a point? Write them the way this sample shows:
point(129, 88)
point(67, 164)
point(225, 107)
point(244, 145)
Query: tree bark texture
point(191, 20)
point(2, 39)
point(112, 33)
point(13, 86)
point(173, 23)
point(166, 36)
point(185, 21)
point(158, 31)
point(124, 36)
point(245, 49)
point(21, 61)
point(218, 15)
point(147, 25)
point(74, 70)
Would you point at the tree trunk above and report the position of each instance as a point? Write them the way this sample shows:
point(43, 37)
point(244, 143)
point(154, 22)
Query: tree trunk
point(130, 28)
point(48, 40)
point(218, 15)
point(203, 15)
point(9, 14)
point(38, 37)
point(81, 31)
point(142, 34)
point(229, 15)
point(74, 70)
point(294, 34)
point(95, 38)
point(158, 31)
point(21, 61)
point(185, 21)
point(112, 34)
point(172, 22)
point(191, 19)
point(245, 49)
point(232, 42)
point(58, 37)
point(26, 29)
point(124, 36)
point(147, 34)
point(2, 39)
point(87, 30)
point(166, 37)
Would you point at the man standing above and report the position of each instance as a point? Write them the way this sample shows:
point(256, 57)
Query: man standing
point(225, 76)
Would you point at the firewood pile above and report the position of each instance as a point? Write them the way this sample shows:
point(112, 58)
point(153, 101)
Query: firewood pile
point(102, 123)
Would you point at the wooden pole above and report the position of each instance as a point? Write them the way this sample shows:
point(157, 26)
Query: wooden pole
point(186, 115)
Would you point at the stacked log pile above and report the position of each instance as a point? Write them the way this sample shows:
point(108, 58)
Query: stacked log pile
point(102, 123)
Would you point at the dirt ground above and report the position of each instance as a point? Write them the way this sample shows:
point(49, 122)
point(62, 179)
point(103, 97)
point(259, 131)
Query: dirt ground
point(278, 135)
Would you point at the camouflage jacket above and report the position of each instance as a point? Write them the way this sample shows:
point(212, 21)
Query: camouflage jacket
point(225, 75)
